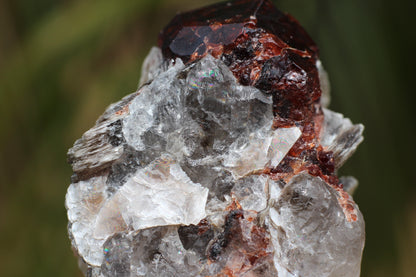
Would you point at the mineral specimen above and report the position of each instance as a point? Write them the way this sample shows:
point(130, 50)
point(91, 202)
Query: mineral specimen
point(223, 162)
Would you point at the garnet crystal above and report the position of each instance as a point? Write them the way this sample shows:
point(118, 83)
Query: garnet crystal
point(262, 46)
point(223, 162)
point(269, 50)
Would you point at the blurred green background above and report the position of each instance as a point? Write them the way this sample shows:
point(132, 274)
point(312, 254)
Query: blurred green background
point(63, 61)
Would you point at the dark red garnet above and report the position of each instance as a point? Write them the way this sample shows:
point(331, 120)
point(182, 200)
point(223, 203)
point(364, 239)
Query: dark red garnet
point(262, 46)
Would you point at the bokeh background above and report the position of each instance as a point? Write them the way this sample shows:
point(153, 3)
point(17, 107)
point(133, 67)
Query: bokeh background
point(63, 61)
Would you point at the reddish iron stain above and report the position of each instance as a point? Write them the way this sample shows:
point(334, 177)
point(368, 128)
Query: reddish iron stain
point(242, 238)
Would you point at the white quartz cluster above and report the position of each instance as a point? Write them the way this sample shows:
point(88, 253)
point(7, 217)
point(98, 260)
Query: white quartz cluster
point(179, 151)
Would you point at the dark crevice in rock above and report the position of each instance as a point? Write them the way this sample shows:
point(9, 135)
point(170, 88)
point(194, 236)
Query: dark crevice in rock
point(196, 237)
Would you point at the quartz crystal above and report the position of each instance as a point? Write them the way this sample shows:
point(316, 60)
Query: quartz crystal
point(223, 162)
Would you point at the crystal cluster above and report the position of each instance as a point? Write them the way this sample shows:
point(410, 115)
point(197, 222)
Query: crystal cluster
point(223, 162)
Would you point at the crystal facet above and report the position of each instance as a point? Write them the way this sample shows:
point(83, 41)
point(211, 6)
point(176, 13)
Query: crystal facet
point(223, 162)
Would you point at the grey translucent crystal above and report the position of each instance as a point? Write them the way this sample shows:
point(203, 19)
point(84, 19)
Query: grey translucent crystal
point(310, 231)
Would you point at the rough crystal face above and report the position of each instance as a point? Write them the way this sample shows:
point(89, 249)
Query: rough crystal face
point(223, 162)
point(262, 46)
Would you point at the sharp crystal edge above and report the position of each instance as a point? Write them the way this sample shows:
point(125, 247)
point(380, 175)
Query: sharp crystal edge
point(224, 161)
